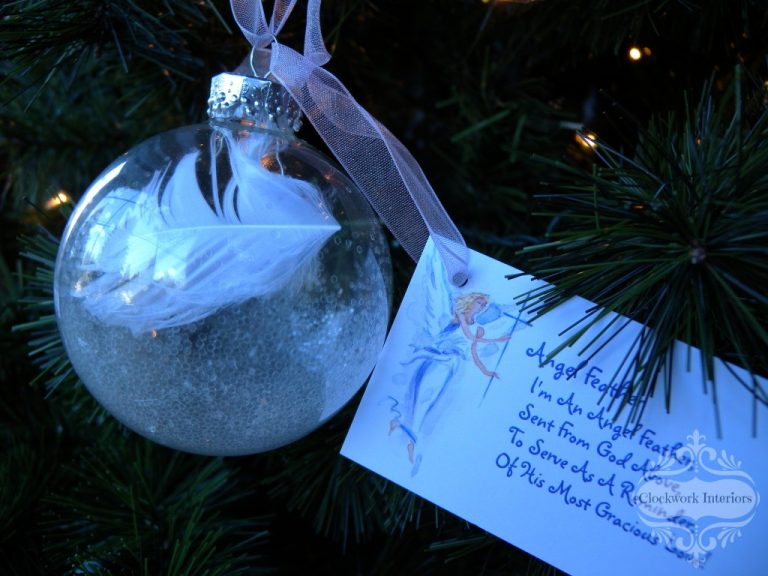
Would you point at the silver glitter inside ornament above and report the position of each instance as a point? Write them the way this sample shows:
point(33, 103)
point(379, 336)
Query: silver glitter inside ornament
point(223, 288)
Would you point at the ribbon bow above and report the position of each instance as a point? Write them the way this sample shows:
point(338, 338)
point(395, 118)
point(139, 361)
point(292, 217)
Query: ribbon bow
point(377, 162)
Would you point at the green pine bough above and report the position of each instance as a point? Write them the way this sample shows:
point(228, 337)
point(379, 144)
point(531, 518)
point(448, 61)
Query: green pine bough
point(675, 237)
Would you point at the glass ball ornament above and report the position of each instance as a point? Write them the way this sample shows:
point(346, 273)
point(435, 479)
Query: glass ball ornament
point(223, 288)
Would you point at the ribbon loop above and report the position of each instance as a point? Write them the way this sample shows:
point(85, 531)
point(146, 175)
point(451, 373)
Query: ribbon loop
point(314, 45)
point(252, 20)
point(377, 162)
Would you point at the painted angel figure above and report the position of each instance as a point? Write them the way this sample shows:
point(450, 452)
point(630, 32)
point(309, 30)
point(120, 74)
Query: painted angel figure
point(463, 334)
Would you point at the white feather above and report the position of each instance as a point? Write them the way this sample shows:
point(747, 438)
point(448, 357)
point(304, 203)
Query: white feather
point(164, 258)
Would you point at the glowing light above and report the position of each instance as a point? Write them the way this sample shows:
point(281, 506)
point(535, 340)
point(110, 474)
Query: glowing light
point(587, 140)
point(57, 200)
point(636, 53)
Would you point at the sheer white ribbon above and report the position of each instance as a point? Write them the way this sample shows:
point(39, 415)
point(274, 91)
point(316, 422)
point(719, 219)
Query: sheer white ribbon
point(378, 163)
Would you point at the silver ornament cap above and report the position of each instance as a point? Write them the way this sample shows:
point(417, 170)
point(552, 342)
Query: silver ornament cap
point(253, 101)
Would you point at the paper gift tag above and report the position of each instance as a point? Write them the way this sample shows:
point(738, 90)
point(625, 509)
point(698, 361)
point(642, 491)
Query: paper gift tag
point(462, 410)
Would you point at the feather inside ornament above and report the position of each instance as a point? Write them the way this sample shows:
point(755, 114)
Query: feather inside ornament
point(187, 244)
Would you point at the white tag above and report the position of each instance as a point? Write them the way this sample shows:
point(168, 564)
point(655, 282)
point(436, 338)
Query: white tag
point(459, 411)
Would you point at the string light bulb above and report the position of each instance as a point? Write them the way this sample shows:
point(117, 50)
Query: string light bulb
point(636, 53)
point(61, 197)
point(587, 140)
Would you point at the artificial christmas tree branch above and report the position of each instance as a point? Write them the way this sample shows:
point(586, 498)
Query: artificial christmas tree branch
point(675, 237)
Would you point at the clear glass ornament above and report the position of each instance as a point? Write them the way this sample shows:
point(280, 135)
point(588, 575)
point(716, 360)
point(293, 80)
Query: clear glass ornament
point(222, 288)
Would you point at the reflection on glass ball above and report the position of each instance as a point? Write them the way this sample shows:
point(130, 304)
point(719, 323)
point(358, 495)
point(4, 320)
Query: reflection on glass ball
point(222, 289)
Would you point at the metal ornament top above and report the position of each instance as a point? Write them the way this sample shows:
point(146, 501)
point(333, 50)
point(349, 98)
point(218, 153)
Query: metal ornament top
point(253, 101)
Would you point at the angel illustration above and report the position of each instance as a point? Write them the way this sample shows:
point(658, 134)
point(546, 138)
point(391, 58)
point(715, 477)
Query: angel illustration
point(466, 309)
point(461, 330)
